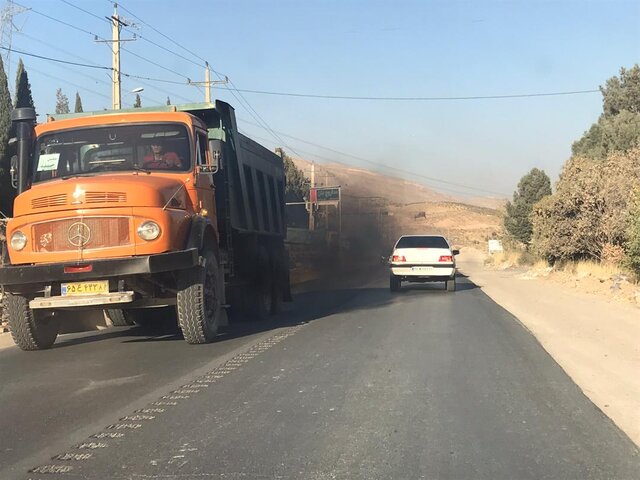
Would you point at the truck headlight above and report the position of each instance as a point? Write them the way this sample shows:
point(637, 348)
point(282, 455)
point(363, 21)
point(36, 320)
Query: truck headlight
point(149, 230)
point(18, 240)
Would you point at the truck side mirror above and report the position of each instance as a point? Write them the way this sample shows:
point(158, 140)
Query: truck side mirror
point(216, 155)
point(14, 171)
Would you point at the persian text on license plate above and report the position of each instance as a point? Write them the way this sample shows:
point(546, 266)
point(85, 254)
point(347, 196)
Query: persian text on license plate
point(422, 269)
point(84, 288)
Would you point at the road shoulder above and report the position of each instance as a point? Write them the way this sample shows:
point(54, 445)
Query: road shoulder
point(595, 341)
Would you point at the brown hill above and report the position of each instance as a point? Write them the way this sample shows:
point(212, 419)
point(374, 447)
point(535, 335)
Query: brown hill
point(386, 207)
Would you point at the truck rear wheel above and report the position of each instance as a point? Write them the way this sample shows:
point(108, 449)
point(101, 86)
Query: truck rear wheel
point(31, 330)
point(199, 301)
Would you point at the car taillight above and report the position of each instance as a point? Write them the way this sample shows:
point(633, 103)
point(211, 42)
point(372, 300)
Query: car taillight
point(446, 258)
point(398, 258)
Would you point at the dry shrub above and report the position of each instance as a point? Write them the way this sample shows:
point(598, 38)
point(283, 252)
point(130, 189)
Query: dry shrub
point(612, 254)
point(590, 209)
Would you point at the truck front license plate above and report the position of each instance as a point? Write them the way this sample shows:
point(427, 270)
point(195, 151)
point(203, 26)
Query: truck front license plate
point(84, 288)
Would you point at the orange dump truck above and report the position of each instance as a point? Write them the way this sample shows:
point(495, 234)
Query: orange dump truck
point(145, 214)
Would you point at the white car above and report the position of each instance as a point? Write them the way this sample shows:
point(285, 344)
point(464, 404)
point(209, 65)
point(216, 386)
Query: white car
point(422, 258)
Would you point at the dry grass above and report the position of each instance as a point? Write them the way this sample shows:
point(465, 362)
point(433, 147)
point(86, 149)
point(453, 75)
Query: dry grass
point(590, 268)
point(505, 259)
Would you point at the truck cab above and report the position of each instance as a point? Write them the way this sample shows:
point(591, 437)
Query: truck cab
point(122, 211)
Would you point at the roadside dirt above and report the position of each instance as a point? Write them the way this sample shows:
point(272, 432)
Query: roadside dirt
point(594, 340)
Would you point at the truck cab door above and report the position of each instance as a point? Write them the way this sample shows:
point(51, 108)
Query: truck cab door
point(204, 181)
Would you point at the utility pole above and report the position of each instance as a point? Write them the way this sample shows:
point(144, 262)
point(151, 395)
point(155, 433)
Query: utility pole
point(208, 83)
point(116, 94)
point(312, 225)
point(116, 26)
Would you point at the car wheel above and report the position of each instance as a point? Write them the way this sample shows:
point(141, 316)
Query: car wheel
point(451, 285)
point(394, 283)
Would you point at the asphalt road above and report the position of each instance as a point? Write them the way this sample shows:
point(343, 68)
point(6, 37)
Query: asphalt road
point(352, 382)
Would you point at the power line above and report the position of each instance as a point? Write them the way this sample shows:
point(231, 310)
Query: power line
point(241, 99)
point(55, 59)
point(333, 160)
point(86, 11)
point(64, 80)
point(418, 99)
point(62, 22)
point(136, 34)
point(130, 76)
point(394, 168)
point(156, 30)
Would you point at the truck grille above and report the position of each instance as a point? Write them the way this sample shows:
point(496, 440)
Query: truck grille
point(51, 201)
point(81, 233)
point(89, 197)
point(105, 197)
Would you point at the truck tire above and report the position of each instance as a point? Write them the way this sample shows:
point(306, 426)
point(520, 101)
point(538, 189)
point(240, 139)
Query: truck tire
point(394, 283)
point(262, 294)
point(30, 330)
point(118, 317)
point(451, 285)
point(199, 301)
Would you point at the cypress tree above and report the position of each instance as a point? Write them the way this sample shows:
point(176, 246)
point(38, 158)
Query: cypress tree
point(24, 97)
point(7, 193)
point(78, 106)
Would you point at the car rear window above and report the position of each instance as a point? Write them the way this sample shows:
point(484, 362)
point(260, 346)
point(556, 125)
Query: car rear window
point(422, 242)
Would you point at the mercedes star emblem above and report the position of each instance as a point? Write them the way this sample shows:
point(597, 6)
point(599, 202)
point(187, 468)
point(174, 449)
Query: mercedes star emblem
point(79, 234)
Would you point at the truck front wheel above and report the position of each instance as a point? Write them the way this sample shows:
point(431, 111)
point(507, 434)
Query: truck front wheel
point(31, 330)
point(199, 301)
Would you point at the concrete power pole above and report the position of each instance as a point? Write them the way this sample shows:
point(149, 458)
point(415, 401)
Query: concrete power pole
point(208, 83)
point(116, 26)
point(312, 223)
point(116, 94)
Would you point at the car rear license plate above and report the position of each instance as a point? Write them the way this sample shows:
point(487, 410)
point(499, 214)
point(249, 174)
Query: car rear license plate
point(84, 288)
point(422, 269)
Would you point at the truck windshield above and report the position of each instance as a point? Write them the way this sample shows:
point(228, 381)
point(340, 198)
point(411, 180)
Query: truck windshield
point(92, 151)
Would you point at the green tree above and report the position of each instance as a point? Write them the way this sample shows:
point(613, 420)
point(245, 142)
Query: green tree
point(622, 93)
point(297, 185)
point(618, 133)
point(618, 128)
point(532, 188)
point(62, 102)
point(78, 106)
point(7, 192)
point(168, 101)
point(24, 98)
point(138, 102)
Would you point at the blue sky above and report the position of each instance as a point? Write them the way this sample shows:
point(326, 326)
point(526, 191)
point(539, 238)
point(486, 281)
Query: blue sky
point(362, 48)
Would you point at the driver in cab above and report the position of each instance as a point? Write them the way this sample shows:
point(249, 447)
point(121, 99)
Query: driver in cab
point(161, 160)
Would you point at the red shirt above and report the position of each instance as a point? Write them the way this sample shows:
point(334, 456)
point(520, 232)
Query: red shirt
point(169, 160)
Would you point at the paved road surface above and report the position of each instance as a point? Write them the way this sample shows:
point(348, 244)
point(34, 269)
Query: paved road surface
point(354, 382)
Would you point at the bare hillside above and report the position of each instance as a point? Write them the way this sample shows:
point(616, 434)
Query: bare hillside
point(365, 183)
point(383, 207)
